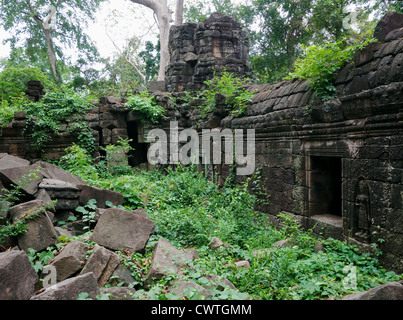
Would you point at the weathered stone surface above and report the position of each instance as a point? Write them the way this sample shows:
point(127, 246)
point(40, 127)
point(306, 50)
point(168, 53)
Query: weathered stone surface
point(155, 86)
point(69, 260)
point(100, 195)
point(394, 34)
point(199, 49)
point(26, 177)
point(118, 229)
point(119, 293)
point(40, 232)
point(101, 263)
point(123, 275)
point(166, 260)
point(283, 243)
point(69, 289)
point(43, 196)
point(66, 266)
point(17, 276)
point(182, 288)
point(63, 232)
point(50, 171)
point(242, 264)
point(66, 193)
point(389, 22)
point(388, 291)
point(8, 161)
point(220, 283)
point(141, 212)
point(215, 243)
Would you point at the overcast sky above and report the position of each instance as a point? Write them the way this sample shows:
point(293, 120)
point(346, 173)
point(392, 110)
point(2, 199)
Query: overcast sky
point(121, 18)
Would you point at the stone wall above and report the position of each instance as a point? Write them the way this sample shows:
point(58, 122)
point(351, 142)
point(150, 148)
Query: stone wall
point(337, 165)
point(108, 119)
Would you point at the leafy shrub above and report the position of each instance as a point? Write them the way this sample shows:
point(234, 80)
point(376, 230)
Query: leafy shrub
point(19, 77)
point(8, 107)
point(146, 105)
point(232, 88)
point(57, 107)
point(79, 162)
point(115, 160)
point(319, 65)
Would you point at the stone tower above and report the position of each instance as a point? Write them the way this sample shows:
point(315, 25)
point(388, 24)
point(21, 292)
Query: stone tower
point(197, 49)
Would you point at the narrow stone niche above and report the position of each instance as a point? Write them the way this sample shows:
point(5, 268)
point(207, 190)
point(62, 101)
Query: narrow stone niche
point(138, 156)
point(325, 185)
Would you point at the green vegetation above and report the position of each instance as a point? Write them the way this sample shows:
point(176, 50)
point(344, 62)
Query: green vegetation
point(59, 107)
point(231, 87)
point(189, 210)
point(224, 87)
point(145, 104)
point(320, 64)
point(13, 84)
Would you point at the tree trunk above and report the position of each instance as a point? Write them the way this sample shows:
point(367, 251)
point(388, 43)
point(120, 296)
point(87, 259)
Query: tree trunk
point(179, 12)
point(51, 55)
point(163, 14)
point(163, 22)
point(46, 28)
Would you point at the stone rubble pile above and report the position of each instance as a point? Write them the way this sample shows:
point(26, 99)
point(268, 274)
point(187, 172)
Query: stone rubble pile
point(79, 268)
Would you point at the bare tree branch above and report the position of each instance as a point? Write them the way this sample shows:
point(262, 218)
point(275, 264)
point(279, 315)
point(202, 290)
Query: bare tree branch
point(48, 19)
point(142, 77)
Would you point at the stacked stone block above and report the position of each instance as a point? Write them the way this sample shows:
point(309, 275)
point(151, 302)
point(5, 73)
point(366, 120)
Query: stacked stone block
point(199, 50)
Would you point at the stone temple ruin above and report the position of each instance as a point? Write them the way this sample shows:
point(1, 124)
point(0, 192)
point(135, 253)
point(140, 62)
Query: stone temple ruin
point(198, 49)
point(337, 169)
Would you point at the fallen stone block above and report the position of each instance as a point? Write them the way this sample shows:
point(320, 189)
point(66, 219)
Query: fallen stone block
point(69, 289)
point(43, 196)
point(141, 212)
point(101, 263)
point(17, 276)
point(26, 177)
point(242, 264)
point(216, 243)
point(50, 171)
point(118, 229)
point(8, 161)
point(388, 291)
point(40, 232)
point(63, 232)
point(69, 260)
point(121, 274)
point(66, 193)
point(100, 195)
point(219, 283)
point(167, 260)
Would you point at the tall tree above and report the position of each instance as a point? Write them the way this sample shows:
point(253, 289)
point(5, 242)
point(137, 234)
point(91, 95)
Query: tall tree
point(285, 25)
point(47, 24)
point(163, 15)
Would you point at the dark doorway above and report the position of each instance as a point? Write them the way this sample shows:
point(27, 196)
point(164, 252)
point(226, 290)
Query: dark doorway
point(139, 154)
point(325, 186)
